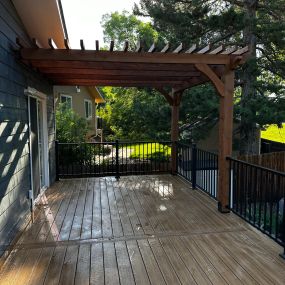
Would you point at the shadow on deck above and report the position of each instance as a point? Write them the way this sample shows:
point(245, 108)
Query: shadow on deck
point(139, 230)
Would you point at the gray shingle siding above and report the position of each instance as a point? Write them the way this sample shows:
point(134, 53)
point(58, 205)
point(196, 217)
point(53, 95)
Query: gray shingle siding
point(15, 77)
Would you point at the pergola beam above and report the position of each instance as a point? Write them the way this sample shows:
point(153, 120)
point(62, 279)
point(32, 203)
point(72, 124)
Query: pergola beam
point(204, 68)
point(114, 72)
point(123, 57)
point(219, 69)
point(166, 95)
point(118, 83)
point(145, 77)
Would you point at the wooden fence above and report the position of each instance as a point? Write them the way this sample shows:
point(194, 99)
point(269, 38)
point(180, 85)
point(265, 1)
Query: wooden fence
point(274, 160)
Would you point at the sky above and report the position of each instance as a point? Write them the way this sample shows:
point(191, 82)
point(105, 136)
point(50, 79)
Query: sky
point(83, 19)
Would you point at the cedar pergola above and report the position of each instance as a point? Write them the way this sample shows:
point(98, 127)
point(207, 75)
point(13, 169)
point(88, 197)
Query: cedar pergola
point(166, 69)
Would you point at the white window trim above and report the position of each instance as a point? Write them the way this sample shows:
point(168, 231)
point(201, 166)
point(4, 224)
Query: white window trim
point(90, 117)
point(67, 96)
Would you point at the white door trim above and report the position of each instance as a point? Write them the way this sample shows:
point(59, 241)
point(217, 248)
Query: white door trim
point(31, 92)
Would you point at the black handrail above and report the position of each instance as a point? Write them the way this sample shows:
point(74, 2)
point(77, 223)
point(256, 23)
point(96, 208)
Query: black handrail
point(112, 158)
point(199, 167)
point(257, 195)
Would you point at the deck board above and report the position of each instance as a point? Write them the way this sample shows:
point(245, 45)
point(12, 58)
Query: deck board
point(138, 230)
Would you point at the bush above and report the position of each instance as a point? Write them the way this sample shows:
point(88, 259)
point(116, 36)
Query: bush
point(70, 127)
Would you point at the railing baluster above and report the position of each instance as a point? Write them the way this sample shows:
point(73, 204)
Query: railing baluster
point(257, 190)
point(117, 160)
point(194, 166)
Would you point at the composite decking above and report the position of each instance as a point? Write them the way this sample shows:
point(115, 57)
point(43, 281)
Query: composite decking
point(138, 230)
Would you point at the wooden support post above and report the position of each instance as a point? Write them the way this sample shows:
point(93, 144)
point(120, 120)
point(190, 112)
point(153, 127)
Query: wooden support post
point(174, 99)
point(175, 129)
point(225, 140)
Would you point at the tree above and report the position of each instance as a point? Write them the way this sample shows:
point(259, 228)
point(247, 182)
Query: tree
point(70, 127)
point(126, 27)
point(144, 113)
point(135, 114)
point(259, 24)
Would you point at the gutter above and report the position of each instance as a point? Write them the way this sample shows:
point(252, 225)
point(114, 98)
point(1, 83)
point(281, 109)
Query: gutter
point(62, 18)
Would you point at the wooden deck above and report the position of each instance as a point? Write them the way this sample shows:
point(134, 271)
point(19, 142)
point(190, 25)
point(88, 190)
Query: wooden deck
point(140, 230)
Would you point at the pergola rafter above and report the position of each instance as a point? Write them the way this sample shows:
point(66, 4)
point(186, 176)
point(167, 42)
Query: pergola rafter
point(176, 70)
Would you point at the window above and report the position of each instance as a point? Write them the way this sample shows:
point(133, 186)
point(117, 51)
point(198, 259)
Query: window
point(67, 100)
point(88, 109)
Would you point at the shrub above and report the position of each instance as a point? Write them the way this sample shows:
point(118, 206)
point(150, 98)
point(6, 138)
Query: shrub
point(70, 127)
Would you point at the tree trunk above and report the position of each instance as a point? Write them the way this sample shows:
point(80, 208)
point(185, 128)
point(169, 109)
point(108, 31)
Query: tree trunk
point(249, 133)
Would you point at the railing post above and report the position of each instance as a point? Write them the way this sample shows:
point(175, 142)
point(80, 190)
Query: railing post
point(56, 162)
point(194, 166)
point(174, 155)
point(283, 232)
point(117, 161)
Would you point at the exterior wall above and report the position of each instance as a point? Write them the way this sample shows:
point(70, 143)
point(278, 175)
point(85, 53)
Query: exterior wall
point(78, 103)
point(15, 77)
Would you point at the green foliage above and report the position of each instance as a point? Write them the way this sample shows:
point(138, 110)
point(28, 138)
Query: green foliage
point(135, 114)
point(126, 27)
point(198, 112)
point(153, 152)
point(259, 24)
point(70, 127)
point(143, 113)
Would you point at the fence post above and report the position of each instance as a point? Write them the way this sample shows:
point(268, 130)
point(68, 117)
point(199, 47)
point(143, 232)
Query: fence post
point(117, 161)
point(56, 162)
point(194, 165)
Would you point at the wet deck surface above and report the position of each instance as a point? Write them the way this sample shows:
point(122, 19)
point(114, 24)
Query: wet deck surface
point(140, 230)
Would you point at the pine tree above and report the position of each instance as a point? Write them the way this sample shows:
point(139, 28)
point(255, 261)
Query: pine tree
point(259, 24)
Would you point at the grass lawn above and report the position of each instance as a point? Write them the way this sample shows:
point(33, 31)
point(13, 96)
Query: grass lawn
point(152, 151)
point(273, 133)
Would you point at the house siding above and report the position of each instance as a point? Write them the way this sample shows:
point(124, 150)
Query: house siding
point(15, 77)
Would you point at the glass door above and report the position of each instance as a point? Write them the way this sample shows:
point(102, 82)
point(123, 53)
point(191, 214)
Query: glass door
point(36, 144)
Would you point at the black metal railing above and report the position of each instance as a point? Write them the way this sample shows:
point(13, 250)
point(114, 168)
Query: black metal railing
point(112, 158)
point(257, 195)
point(199, 167)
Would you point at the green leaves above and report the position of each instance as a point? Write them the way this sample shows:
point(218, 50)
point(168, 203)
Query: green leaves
point(135, 114)
point(126, 27)
point(259, 24)
point(70, 127)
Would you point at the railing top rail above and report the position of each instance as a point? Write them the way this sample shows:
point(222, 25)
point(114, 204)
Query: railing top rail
point(209, 152)
point(81, 143)
point(257, 166)
point(184, 144)
point(199, 149)
point(133, 142)
point(114, 142)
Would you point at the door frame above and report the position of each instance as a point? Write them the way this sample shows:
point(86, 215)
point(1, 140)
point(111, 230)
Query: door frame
point(31, 92)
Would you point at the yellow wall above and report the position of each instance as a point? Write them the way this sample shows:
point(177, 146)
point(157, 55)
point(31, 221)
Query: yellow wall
point(78, 103)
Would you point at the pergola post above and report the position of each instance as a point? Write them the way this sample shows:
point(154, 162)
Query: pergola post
point(225, 140)
point(174, 131)
point(225, 88)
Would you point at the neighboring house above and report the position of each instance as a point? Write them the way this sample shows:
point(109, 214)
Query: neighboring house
point(27, 124)
point(83, 100)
